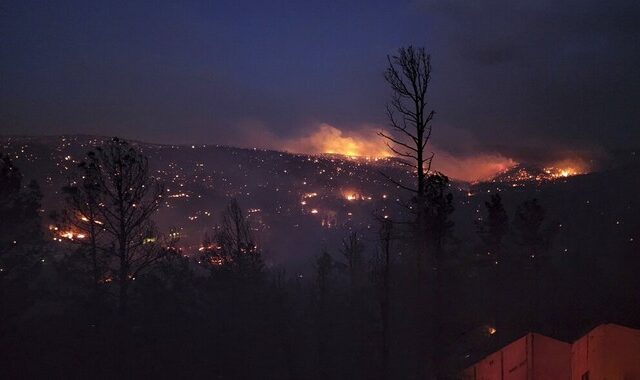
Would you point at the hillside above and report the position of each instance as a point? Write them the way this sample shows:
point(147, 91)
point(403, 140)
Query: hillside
point(298, 203)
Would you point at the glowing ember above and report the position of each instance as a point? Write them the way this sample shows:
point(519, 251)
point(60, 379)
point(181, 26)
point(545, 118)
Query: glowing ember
point(351, 195)
point(70, 235)
point(85, 219)
point(216, 261)
point(354, 195)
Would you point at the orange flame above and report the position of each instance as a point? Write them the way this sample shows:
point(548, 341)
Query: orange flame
point(567, 168)
point(365, 142)
point(329, 139)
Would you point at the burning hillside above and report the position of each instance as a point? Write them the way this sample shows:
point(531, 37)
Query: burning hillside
point(522, 174)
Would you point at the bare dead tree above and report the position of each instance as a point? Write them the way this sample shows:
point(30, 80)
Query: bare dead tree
point(121, 197)
point(408, 75)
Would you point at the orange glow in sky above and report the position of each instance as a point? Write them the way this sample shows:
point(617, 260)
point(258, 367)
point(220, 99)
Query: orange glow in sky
point(329, 139)
point(365, 142)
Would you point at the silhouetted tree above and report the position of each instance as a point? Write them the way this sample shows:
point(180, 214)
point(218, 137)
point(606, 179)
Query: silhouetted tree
point(438, 208)
point(20, 233)
point(352, 250)
point(20, 224)
point(437, 224)
point(285, 317)
point(118, 181)
point(408, 74)
point(493, 230)
point(529, 231)
point(381, 273)
point(237, 288)
point(535, 240)
point(80, 223)
point(236, 243)
point(324, 268)
point(494, 227)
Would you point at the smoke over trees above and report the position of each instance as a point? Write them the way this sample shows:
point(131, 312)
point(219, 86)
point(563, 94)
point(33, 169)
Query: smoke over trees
point(104, 292)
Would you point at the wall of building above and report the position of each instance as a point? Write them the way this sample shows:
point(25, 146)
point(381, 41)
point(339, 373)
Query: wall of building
point(531, 357)
point(517, 359)
point(608, 352)
point(551, 359)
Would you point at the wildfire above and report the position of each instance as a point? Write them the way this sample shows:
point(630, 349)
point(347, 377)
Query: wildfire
point(556, 171)
point(61, 233)
point(354, 195)
point(563, 172)
point(331, 140)
point(69, 235)
point(365, 142)
point(565, 168)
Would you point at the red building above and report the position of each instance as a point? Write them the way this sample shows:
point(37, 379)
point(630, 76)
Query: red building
point(533, 356)
point(608, 352)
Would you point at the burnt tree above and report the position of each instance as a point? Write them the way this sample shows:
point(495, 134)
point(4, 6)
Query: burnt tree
point(408, 74)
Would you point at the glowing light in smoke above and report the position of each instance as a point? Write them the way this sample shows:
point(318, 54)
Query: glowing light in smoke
point(466, 166)
point(331, 140)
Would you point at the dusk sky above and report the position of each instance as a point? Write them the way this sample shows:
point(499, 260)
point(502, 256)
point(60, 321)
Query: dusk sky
point(509, 76)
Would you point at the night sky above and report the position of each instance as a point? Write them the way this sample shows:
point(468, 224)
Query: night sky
point(510, 76)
